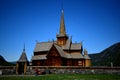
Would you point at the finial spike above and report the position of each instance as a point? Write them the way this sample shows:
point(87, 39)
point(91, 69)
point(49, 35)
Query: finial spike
point(24, 47)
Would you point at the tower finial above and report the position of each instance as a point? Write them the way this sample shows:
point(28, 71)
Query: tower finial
point(24, 47)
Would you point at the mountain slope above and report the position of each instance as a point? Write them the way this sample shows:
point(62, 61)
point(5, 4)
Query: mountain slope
point(3, 62)
point(104, 58)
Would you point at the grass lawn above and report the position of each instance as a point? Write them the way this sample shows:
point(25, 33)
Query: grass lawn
point(63, 77)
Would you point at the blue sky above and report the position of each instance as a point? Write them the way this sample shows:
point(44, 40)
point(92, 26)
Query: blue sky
point(95, 22)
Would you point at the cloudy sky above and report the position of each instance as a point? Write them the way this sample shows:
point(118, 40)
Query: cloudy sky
point(95, 22)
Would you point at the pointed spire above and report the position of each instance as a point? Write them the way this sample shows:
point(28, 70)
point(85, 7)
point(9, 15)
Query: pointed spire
point(24, 47)
point(23, 57)
point(62, 25)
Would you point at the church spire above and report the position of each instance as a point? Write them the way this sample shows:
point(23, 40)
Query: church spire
point(62, 36)
point(62, 25)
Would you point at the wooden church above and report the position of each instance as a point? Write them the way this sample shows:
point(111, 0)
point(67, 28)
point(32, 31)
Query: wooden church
point(61, 52)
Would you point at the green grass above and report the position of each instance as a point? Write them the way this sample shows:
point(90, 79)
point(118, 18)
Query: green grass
point(63, 77)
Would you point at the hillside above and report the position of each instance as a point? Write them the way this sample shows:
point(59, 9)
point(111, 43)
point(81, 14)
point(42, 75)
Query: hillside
point(104, 58)
point(3, 62)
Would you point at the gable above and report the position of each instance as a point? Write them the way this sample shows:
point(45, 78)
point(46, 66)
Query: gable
point(72, 46)
point(57, 50)
point(53, 52)
point(23, 57)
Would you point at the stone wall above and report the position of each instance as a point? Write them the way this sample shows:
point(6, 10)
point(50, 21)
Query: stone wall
point(79, 70)
point(84, 71)
point(62, 70)
point(7, 70)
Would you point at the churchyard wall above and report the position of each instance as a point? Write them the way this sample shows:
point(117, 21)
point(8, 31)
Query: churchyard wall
point(11, 70)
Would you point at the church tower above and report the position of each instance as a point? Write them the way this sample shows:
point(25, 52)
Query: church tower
point(62, 36)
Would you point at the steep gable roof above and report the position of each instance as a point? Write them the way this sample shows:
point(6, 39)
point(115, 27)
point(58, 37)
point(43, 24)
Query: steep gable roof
point(72, 46)
point(67, 45)
point(23, 57)
point(60, 50)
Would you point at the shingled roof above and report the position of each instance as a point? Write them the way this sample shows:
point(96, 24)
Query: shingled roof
point(86, 57)
point(72, 46)
point(60, 50)
point(67, 45)
point(43, 46)
point(76, 46)
point(77, 55)
point(23, 57)
point(46, 46)
point(86, 54)
point(39, 57)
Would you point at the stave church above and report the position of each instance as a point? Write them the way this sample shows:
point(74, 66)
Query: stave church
point(61, 52)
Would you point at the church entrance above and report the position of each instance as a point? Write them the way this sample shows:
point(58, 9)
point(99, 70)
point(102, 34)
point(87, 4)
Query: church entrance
point(21, 68)
point(56, 61)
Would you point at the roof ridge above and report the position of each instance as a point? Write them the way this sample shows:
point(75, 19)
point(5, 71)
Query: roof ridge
point(76, 43)
point(57, 45)
point(44, 42)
